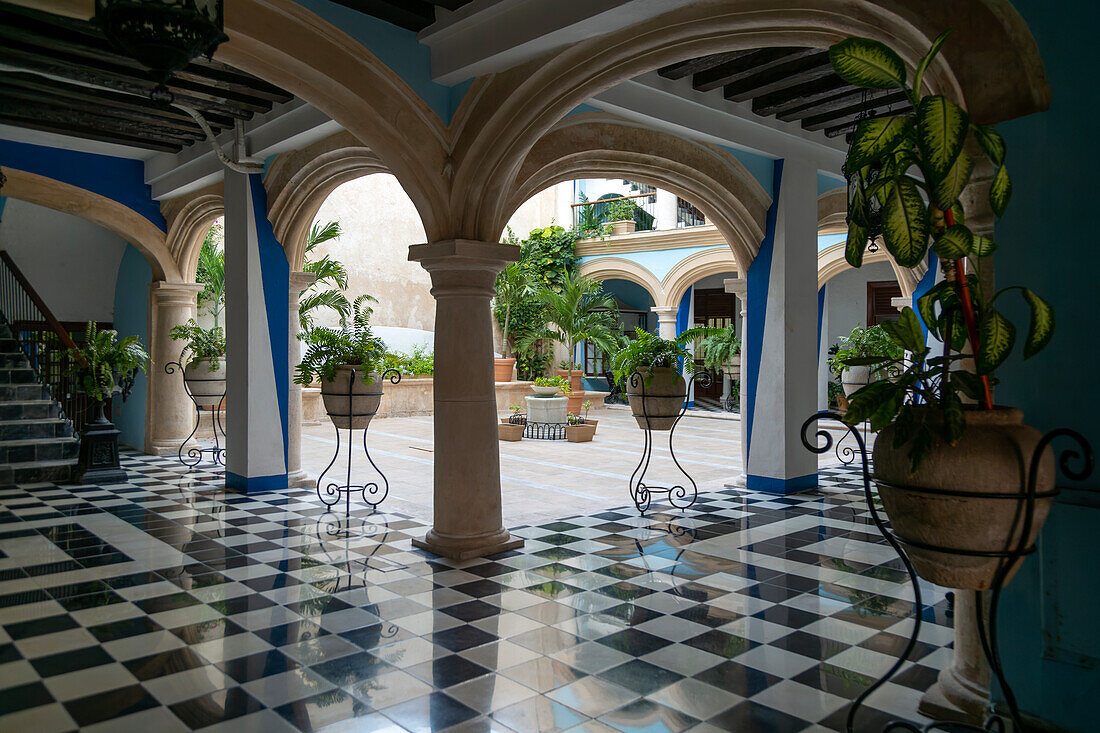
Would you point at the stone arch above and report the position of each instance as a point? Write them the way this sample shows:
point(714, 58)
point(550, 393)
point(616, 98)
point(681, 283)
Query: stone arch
point(599, 145)
point(107, 213)
point(694, 268)
point(515, 108)
point(831, 262)
point(617, 268)
point(288, 45)
point(298, 183)
point(189, 218)
point(832, 211)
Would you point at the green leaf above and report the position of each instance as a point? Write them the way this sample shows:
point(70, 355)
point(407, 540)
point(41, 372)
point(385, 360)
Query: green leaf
point(867, 63)
point(948, 188)
point(954, 419)
point(920, 447)
point(954, 244)
point(922, 66)
point(993, 145)
point(857, 242)
point(906, 331)
point(906, 222)
point(941, 132)
point(904, 426)
point(1041, 329)
point(873, 139)
point(887, 410)
point(968, 383)
point(868, 400)
point(997, 336)
point(983, 246)
point(958, 330)
point(1000, 192)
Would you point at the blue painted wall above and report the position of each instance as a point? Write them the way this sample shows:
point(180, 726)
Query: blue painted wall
point(826, 182)
point(1047, 241)
point(761, 168)
point(131, 317)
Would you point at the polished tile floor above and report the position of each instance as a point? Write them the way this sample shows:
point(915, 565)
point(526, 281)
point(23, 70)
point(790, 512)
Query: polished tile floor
point(166, 604)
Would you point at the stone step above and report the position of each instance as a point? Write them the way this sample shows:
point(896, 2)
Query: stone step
point(21, 392)
point(20, 375)
point(28, 473)
point(48, 427)
point(28, 409)
point(16, 360)
point(31, 450)
point(8, 345)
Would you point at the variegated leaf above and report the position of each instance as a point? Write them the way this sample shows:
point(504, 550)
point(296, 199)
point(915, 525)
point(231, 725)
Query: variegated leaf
point(906, 222)
point(1000, 192)
point(857, 242)
point(954, 244)
point(997, 335)
point(948, 188)
point(1041, 328)
point(867, 63)
point(941, 132)
point(922, 66)
point(984, 246)
point(993, 145)
point(873, 139)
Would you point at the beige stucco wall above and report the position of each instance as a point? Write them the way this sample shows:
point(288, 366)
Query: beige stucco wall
point(379, 222)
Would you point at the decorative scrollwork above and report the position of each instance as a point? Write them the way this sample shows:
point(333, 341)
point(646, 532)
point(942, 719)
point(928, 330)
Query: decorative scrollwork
point(193, 451)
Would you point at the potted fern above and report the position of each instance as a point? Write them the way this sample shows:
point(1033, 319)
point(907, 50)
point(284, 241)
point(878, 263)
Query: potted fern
point(908, 173)
point(346, 361)
point(659, 391)
point(203, 357)
point(872, 341)
point(619, 213)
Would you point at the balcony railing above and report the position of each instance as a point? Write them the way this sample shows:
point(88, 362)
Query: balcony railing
point(592, 217)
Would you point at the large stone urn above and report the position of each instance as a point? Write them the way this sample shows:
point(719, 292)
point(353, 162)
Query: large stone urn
point(664, 391)
point(990, 465)
point(206, 384)
point(546, 409)
point(351, 404)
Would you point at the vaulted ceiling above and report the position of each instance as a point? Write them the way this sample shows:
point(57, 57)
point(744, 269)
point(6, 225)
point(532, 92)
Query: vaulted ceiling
point(790, 84)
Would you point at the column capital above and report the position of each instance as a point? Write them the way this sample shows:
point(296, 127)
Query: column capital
point(463, 254)
point(666, 313)
point(735, 285)
point(299, 281)
point(175, 293)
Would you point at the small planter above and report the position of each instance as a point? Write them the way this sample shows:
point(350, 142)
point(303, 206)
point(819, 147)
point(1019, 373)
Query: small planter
point(855, 378)
point(502, 369)
point(510, 432)
point(207, 387)
point(665, 391)
point(574, 380)
point(926, 510)
point(354, 411)
point(581, 433)
point(545, 391)
point(626, 226)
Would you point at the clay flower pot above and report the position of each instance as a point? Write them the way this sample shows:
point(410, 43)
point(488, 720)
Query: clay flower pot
point(502, 369)
point(992, 457)
point(207, 387)
point(357, 410)
point(574, 380)
point(665, 391)
point(626, 226)
point(581, 433)
point(510, 432)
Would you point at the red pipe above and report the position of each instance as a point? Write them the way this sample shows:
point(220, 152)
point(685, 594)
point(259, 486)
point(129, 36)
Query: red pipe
point(968, 315)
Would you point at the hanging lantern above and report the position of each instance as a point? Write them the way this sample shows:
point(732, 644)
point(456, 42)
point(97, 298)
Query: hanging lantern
point(164, 35)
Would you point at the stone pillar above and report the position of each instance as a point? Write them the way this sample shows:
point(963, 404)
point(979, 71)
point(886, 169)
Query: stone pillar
point(739, 287)
point(961, 692)
point(823, 345)
point(299, 281)
point(666, 210)
point(466, 501)
point(781, 337)
point(171, 414)
point(666, 320)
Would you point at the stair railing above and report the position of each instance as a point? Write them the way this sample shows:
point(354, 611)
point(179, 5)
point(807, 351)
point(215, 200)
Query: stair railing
point(44, 340)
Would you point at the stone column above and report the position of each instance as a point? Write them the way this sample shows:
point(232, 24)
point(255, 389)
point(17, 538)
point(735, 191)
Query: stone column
point(666, 320)
point(666, 209)
point(299, 281)
point(961, 692)
point(739, 287)
point(466, 501)
point(171, 414)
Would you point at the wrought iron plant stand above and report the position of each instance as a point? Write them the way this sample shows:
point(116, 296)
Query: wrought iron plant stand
point(679, 496)
point(986, 622)
point(196, 451)
point(374, 493)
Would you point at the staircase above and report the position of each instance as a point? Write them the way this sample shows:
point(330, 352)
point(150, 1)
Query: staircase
point(35, 443)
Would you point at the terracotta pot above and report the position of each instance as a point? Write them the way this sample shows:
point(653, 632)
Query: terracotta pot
point(665, 392)
point(576, 402)
point(357, 410)
point(574, 380)
point(502, 369)
point(626, 226)
point(580, 433)
point(992, 457)
point(511, 433)
point(207, 387)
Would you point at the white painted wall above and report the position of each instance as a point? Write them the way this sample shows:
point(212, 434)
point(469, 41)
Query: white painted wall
point(72, 263)
point(847, 299)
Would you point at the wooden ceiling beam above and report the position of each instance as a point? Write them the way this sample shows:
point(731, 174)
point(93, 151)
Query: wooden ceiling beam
point(693, 66)
point(33, 120)
point(892, 103)
point(177, 128)
point(780, 76)
point(799, 95)
point(747, 66)
point(48, 113)
point(413, 15)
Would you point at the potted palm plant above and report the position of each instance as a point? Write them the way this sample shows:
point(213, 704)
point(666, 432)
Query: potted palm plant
point(203, 357)
point(102, 366)
point(513, 285)
point(345, 360)
point(658, 392)
point(935, 456)
point(579, 312)
point(620, 215)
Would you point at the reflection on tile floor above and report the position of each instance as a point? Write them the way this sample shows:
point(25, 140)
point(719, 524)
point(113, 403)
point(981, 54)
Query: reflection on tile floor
point(165, 604)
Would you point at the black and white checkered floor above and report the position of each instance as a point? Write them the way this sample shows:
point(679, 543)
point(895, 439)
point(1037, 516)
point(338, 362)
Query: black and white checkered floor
point(166, 604)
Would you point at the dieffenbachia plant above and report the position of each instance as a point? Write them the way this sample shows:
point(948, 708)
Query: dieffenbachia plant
point(911, 170)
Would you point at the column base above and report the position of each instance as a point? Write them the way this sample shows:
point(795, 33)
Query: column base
point(952, 699)
point(299, 479)
point(465, 547)
point(168, 448)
